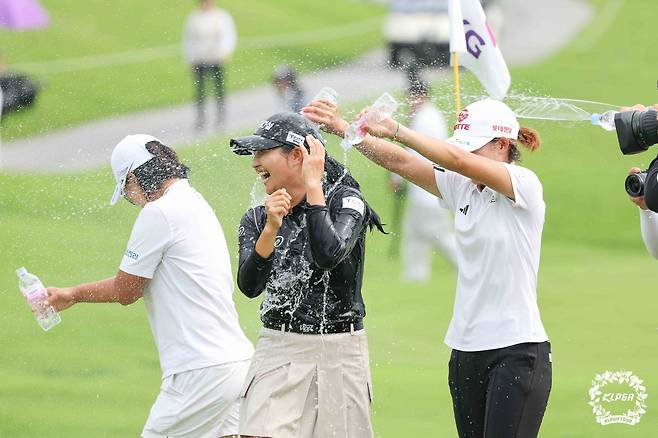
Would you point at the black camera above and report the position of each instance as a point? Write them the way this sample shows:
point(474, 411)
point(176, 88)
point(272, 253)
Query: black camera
point(635, 184)
point(636, 130)
point(645, 184)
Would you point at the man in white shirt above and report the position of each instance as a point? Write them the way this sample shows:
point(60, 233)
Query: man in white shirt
point(177, 259)
point(209, 39)
point(426, 225)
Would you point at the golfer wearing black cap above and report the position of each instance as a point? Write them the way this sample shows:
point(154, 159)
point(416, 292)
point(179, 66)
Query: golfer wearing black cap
point(305, 248)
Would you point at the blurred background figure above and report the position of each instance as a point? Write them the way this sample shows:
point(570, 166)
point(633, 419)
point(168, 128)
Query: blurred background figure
point(425, 225)
point(17, 91)
point(291, 95)
point(209, 39)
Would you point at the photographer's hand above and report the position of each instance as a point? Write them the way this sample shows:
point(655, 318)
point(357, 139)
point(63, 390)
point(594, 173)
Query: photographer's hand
point(637, 106)
point(639, 201)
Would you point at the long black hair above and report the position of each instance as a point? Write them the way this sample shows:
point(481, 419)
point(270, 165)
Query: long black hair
point(165, 165)
point(337, 174)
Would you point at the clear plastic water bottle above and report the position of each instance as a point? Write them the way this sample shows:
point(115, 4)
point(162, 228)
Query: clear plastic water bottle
point(35, 294)
point(385, 106)
point(605, 120)
point(327, 93)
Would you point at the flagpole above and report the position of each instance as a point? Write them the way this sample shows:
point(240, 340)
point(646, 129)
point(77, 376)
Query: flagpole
point(455, 75)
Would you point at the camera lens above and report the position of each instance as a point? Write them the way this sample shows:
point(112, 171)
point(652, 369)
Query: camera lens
point(645, 127)
point(635, 184)
point(636, 130)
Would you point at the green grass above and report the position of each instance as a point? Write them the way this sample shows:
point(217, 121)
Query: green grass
point(111, 27)
point(97, 373)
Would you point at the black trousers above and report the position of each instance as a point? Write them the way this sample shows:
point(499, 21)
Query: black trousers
point(500, 393)
point(216, 73)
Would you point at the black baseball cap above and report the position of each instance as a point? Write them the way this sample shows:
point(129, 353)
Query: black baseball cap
point(281, 129)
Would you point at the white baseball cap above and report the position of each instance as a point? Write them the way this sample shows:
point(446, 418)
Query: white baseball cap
point(481, 122)
point(129, 154)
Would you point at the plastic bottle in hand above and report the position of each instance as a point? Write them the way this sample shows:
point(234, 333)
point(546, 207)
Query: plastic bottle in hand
point(35, 294)
point(605, 120)
point(327, 93)
point(385, 106)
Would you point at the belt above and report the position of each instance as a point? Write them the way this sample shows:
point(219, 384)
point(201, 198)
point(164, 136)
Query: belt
point(310, 329)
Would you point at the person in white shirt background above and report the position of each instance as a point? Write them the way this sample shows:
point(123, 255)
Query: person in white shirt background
point(209, 40)
point(426, 225)
point(500, 371)
point(177, 259)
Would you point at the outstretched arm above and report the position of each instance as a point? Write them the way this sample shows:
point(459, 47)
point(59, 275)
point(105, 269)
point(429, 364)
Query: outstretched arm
point(124, 288)
point(484, 170)
point(381, 152)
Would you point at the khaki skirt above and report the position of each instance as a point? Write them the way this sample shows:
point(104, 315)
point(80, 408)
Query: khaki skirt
point(302, 386)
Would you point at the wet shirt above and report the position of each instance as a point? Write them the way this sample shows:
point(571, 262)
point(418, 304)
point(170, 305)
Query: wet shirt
point(178, 243)
point(312, 280)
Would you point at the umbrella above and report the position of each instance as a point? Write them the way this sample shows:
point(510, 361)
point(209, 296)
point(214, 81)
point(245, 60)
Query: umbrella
point(22, 14)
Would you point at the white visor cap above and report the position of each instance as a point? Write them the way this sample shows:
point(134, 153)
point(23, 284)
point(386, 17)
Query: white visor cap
point(481, 122)
point(128, 154)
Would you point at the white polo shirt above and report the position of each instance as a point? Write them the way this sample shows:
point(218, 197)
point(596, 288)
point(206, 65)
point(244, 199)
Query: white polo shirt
point(178, 243)
point(498, 245)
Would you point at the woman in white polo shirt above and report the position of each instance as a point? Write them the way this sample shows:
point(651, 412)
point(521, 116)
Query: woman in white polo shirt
point(500, 368)
point(177, 259)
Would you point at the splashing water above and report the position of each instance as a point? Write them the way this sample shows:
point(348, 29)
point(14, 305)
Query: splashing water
point(333, 187)
point(257, 196)
point(552, 108)
point(546, 107)
point(292, 275)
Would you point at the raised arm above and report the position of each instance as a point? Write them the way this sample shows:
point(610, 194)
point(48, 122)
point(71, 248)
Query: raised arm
point(483, 170)
point(381, 152)
point(333, 240)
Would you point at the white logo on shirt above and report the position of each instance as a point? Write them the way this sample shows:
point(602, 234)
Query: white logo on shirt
point(240, 231)
point(278, 241)
point(354, 203)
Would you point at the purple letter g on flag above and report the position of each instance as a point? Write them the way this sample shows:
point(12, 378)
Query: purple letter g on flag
point(472, 46)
